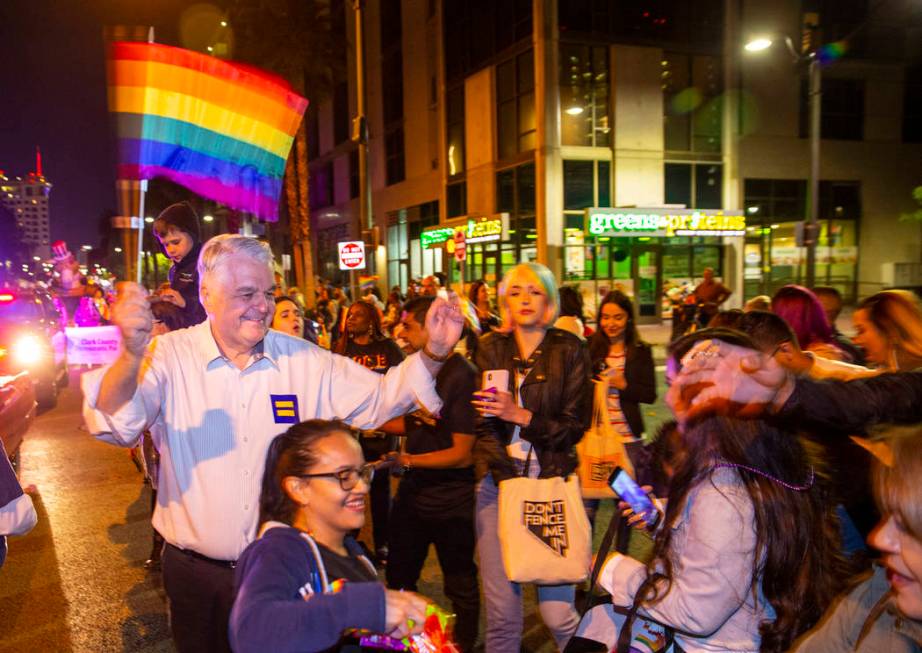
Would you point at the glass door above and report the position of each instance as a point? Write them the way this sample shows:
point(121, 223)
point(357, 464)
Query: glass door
point(647, 272)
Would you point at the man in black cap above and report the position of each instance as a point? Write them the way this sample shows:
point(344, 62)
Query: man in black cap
point(178, 232)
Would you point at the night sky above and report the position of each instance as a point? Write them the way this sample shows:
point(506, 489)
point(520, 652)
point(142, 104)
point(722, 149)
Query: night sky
point(53, 94)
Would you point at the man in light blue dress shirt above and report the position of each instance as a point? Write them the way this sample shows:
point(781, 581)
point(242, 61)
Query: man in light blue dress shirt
point(214, 396)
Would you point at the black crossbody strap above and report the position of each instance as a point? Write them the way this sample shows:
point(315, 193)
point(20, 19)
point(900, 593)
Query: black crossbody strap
point(613, 526)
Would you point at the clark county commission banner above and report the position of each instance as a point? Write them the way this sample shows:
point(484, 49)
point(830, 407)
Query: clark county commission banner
point(221, 129)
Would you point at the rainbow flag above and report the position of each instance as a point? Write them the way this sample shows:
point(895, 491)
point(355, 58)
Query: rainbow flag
point(220, 129)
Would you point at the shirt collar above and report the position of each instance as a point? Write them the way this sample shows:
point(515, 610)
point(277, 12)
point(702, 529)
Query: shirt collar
point(210, 354)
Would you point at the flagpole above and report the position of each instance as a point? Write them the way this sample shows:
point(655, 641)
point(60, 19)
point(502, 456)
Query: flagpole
point(143, 186)
point(141, 224)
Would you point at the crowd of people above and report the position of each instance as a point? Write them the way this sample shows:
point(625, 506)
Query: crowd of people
point(785, 517)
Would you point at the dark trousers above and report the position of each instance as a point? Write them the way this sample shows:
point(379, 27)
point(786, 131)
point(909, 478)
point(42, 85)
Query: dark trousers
point(453, 537)
point(380, 494)
point(201, 594)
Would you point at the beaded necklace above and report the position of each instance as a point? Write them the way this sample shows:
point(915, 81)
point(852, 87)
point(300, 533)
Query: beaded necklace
point(797, 488)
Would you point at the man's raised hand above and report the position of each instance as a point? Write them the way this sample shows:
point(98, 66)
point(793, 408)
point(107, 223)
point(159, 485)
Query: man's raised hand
point(132, 314)
point(444, 323)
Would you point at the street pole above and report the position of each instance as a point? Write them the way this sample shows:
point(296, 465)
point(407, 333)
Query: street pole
point(360, 130)
point(816, 100)
point(141, 223)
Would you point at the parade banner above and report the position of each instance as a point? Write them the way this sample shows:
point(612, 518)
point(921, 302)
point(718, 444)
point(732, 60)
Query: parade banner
point(93, 345)
point(222, 130)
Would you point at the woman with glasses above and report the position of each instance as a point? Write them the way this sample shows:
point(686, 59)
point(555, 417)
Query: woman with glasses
point(304, 584)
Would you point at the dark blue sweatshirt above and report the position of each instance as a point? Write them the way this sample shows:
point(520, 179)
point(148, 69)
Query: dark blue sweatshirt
point(270, 611)
point(184, 280)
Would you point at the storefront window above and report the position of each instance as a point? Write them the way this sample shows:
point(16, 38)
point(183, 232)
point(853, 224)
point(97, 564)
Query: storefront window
point(772, 257)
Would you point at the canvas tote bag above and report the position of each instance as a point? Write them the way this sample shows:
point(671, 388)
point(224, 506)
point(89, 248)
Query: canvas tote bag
point(600, 450)
point(544, 533)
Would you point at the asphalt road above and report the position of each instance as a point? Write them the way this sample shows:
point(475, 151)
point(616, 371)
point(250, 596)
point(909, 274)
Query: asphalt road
point(76, 582)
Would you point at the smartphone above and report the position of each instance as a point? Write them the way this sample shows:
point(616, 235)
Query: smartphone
point(631, 493)
point(496, 380)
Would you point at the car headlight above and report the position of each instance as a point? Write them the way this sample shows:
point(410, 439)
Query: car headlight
point(28, 350)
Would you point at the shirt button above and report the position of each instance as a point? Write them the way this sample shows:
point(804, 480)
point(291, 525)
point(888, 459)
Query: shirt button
point(246, 506)
point(246, 472)
point(246, 439)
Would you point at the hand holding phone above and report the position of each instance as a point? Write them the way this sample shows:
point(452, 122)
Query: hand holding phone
point(627, 489)
point(496, 380)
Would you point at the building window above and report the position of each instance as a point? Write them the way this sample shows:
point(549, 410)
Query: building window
point(694, 185)
point(515, 105)
point(912, 105)
point(697, 23)
point(584, 82)
point(454, 118)
point(477, 31)
point(392, 100)
point(393, 146)
point(354, 174)
point(340, 113)
point(313, 133)
point(836, 20)
point(321, 186)
point(456, 196)
point(772, 257)
point(586, 184)
point(515, 195)
point(841, 112)
point(692, 87)
point(398, 252)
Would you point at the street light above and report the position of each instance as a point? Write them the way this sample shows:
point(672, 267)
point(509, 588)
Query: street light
point(208, 218)
point(811, 228)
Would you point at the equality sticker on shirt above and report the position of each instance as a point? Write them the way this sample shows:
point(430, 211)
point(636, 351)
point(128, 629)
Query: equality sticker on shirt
point(285, 409)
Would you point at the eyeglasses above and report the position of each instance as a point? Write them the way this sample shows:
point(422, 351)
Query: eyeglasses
point(348, 478)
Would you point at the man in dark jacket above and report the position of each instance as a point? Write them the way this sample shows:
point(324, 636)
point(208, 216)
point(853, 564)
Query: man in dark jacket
point(178, 232)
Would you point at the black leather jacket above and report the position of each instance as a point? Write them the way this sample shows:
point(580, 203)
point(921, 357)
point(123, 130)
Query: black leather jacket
point(557, 391)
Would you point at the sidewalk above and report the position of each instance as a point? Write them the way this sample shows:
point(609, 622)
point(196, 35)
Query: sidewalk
point(657, 335)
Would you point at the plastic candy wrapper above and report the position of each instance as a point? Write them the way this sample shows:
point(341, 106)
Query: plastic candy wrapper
point(435, 638)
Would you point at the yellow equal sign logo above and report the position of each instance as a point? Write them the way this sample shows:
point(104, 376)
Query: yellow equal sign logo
point(285, 409)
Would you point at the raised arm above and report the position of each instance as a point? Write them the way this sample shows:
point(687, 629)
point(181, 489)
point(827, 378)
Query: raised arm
point(854, 405)
point(133, 317)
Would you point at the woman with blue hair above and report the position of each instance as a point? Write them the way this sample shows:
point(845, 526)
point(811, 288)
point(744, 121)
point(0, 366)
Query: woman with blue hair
point(529, 428)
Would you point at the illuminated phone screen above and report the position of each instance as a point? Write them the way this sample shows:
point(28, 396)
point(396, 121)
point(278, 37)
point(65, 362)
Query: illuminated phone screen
point(631, 493)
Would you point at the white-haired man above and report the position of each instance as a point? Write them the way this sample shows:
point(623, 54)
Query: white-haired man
point(218, 393)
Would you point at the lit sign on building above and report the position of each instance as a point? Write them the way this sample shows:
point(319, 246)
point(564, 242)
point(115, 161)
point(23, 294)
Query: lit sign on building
point(436, 236)
point(480, 230)
point(665, 222)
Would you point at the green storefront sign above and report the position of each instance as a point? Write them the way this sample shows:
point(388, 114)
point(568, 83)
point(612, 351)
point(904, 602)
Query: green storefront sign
point(479, 230)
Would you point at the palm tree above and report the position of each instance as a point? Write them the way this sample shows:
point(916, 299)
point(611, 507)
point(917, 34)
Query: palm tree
point(293, 39)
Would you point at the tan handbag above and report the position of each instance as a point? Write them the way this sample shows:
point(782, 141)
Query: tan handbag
point(544, 533)
point(600, 450)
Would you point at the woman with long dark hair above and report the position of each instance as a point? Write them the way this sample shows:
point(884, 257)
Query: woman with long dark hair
point(364, 342)
point(625, 363)
point(746, 557)
point(290, 590)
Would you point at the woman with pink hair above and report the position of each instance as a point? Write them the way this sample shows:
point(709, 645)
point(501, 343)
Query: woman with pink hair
point(801, 309)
